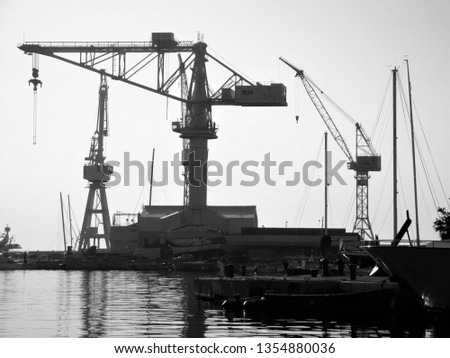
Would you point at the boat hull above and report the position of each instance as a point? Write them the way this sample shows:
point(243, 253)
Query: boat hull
point(426, 270)
point(377, 300)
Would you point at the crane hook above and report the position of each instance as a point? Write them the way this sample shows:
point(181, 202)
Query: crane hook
point(34, 80)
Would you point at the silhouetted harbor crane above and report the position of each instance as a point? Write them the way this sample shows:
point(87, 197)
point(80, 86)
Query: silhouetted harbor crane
point(125, 61)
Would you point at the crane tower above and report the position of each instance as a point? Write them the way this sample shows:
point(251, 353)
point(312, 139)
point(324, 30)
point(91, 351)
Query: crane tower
point(98, 174)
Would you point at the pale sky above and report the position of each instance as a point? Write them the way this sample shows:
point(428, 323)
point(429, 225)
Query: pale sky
point(347, 47)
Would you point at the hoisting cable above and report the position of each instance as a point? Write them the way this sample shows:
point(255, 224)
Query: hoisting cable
point(34, 116)
point(349, 117)
point(35, 82)
point(167, 108)
point(297, 100)
point(233, 68)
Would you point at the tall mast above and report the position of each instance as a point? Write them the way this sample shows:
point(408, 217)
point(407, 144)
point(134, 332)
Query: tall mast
point(416, 206)
point(394, 116)
point(326, 183)
point(70, 220)
point(151, 179)
point(63, 224)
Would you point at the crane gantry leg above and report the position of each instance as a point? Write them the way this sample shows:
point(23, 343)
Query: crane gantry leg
point(97, 210)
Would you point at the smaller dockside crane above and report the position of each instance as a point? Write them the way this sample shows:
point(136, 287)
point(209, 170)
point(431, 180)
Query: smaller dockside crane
point(367, 159)
point(97, 173)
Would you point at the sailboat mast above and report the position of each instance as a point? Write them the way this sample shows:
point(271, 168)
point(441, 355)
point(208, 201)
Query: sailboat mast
point(326, 183)
point(63, 224)
point(394, 117)
point(151, 179)
point(70, 220)
point(416, 205)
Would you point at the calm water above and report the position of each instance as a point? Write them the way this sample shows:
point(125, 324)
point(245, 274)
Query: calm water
point(143, 304)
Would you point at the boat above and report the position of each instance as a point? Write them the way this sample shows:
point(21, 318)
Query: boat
point(7, 242)
point(9, 263)
point(378, 300)
point(424, 269)
point(9, 260)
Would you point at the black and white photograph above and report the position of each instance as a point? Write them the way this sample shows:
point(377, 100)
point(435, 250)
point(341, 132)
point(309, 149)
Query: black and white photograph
point(276, 171)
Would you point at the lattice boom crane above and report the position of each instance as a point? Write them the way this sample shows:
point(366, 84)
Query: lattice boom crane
point(366, 158)
point(97, 173)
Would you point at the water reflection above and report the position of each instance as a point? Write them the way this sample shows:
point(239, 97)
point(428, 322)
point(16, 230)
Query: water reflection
point(94, 298)
point(151, 304)
point(368, 324)
point(66, 304)
point(194, 319)
point(139, 304)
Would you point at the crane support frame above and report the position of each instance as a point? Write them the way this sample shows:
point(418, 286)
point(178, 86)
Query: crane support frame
point(362, 222)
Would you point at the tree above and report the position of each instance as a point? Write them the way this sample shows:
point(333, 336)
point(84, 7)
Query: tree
point(442, 224)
